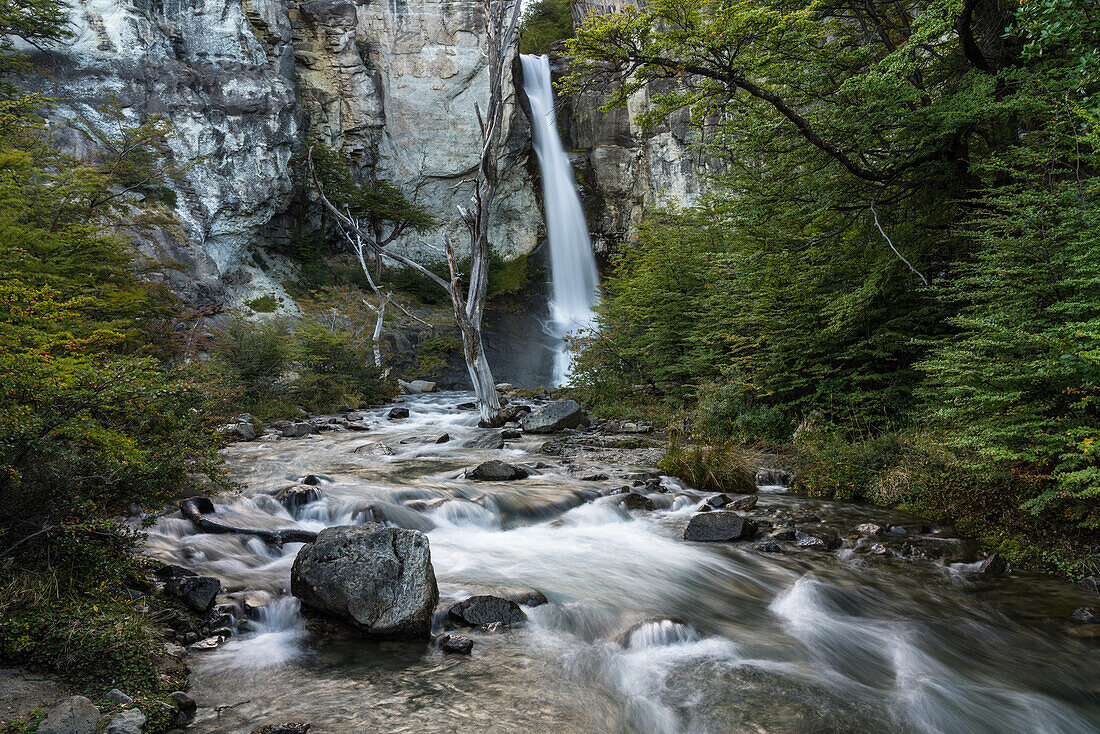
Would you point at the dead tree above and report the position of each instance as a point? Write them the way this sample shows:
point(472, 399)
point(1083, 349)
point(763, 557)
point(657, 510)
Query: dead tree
point(469, 308)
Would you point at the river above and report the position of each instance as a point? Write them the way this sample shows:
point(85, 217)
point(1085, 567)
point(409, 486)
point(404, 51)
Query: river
point(730, 640)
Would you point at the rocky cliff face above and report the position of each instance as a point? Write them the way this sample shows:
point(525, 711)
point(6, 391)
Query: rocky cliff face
point(248, 82)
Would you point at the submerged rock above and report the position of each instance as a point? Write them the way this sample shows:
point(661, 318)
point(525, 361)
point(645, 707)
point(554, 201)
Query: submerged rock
point(1090, 584)
point(657, 633)
point(487, 439)
point(804, 540)
point(484, 609)
point(297, 495)
point(556, 416)
point(377, 579)
point(768, 548)
point(497, 471)
point(528, 598)
point(456, 644)
point(1084, 615)
point(76, 715)
point(375, 449)
point(284, 727)
point(719, 526)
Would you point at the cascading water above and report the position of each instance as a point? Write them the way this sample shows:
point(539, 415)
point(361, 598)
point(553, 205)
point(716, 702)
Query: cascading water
point(572, 265)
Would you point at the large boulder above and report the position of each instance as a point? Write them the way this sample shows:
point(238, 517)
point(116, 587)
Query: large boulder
point(556, 416)
point(719, 526)
point(76, 715)
point(497, 471)
point(377, 579)
point(297, 430)
point(485, 609)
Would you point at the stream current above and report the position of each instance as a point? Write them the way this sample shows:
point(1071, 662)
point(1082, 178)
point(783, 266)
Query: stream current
point(722, 638)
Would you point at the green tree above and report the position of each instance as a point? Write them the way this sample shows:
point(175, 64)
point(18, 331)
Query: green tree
point(544, 22)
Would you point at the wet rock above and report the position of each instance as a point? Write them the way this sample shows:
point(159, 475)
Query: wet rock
point(785, 535)
point(743, 504)
point(635, 501)
point(297, 430)
point(773, 478)
point(484, 609)
point(116, 696)
point(76, 715)
point(719, 526)
point(528, 598)
point(206, 644)
point(283, 727)
point(497, 471)
point(376, 448)
point(467, 406)
point(487, 439)
point(1090, 584)
point(184, 706)
point(398, 413)
point(196, 592)
point(353, 416)
point(1084, 615)
point(826, 533)
point(127, 722)
point(804, 540)
point(768, 548)
point(443, 438)
point(870, 528)
point(657, 632)
point(718, 500)
point(456, 644)
point(511, 434)
point(311, 479)
point(422, 386)
point(370, 513)
point(600, 477)
point(358, 426)
point(556, 416)
point(297, 495)
point(995, 565)
point(378, 579)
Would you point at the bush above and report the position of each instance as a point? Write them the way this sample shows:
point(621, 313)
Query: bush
point(725, 413)
point(723, 468)
point(263, 304)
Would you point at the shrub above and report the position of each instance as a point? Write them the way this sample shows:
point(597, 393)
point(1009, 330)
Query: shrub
point(263, 304)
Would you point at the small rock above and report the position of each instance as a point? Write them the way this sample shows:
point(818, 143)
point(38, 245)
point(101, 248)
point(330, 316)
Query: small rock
point(422, 385)
point(184, 707)
point(172, 571)
point(376, 448)
point(297, 495)
point(718, 500)
point(443, 438)
point(785, 535)
point(207, 644)
point(1084, 615)
point(311, 479)
point(127, 722)
point(719, 526)
point(802, 540)
point(353, 416)
point(487, 439)
point(76, 715)
point(529, 598)
point(1090, 584)
point(456, 644)
point(634, 501)
point(497, 471)
point(283, 727)
point(116, 696)
point(241, 431)
point(397, 413)
point(358, 426)
point(594, 477)
point(995, 565)
point(297, 430)
point(196, 592)
point(556, 416)
point(484, 609)
point(743, 504)
point(467, 406)
point(505, 387)
point(869, 528)
point(510, 434)
point(768, 548)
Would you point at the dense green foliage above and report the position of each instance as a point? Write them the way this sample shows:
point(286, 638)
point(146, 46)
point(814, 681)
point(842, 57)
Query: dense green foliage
point(902, 247)
point(544, 22)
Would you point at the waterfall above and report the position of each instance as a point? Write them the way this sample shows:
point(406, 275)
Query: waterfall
point(573, 274)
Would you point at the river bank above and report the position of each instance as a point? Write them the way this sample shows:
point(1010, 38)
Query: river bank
point(847, 633)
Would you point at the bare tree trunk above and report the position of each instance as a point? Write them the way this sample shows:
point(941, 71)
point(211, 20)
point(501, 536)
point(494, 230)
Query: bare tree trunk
point(469, 309)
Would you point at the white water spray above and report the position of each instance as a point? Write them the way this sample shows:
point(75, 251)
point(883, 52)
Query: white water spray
point(573, 271)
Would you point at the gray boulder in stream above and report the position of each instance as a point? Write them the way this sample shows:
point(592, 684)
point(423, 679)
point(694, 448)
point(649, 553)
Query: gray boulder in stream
point(556, 416)
point(718, 527)
point(497, 471)
point(377, 579)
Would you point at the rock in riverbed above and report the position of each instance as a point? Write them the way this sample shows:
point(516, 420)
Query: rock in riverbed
point(719, 526)
point(377, 579)
point(375, 449)
point(484, 609)
point(635, 501)
point(488, 439)
point(497, 471)
point(456, 644)
point(397, 413)
point(556, 416)
point(196, 592)
point(283, 727)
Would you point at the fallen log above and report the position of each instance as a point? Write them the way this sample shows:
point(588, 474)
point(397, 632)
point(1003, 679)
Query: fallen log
point(195, 509)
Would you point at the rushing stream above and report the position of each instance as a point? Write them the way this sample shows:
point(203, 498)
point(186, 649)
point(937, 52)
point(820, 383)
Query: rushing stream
point(737, 640)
